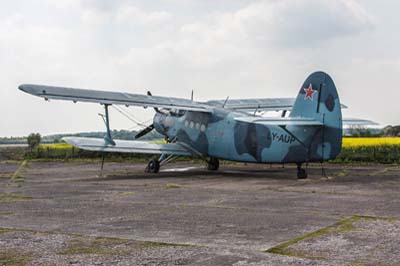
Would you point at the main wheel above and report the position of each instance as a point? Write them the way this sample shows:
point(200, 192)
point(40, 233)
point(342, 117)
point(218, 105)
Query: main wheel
point(213, 164)
point(153, 166)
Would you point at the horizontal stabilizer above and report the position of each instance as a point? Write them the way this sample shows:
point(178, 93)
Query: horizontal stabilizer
point(127, 146)
point(280, 121)
point(358, 122)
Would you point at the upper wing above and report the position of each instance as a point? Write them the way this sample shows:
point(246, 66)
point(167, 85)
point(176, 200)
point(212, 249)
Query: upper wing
point(267, 104)
point(108, 97)
point(263, 104)
point(127, 146)
point(280, 121)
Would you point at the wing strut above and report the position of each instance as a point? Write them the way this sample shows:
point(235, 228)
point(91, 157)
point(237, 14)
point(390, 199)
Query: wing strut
point(106, 119)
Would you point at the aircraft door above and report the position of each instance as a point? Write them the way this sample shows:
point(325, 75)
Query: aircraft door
point(219, 145)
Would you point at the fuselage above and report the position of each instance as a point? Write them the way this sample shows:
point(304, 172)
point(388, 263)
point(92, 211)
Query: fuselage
point(219, 135)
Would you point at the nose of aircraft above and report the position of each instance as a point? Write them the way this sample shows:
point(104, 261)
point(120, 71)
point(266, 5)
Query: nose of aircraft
point(158, 122)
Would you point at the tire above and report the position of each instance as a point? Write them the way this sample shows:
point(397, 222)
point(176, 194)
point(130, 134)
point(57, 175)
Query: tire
point(153, 166)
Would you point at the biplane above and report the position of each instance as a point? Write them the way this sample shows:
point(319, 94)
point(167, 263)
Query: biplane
point(309, 128)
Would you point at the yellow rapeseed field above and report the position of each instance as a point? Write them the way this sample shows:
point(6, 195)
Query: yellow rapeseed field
point(357, 142)
point(347, 143)
point(56, 146)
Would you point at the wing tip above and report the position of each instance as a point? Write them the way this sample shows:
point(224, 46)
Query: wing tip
point(23, 87)
point(69, 140)
point(30, 88)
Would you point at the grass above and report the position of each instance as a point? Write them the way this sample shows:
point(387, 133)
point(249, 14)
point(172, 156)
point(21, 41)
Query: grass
point(100, 246)
point(17, 176)
point(126, 194)
point(13, 258)
point(340, 227)
point(111, 246)
point(12, 197)
point(354, 150)
point(172, 186)
point(5, 230)
point(386, 154)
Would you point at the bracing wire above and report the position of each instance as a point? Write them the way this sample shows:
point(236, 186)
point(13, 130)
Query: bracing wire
point(130, 117)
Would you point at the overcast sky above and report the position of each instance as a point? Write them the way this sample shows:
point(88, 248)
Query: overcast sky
point(219, 48)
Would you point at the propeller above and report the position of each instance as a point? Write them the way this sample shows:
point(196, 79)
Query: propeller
point(144, 131)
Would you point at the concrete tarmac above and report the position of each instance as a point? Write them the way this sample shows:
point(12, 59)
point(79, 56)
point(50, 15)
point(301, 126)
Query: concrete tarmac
point(55, 213)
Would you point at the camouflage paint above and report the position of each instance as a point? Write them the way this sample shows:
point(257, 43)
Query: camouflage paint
point(219, 135)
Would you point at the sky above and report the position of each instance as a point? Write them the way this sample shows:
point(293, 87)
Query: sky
point(218, 48)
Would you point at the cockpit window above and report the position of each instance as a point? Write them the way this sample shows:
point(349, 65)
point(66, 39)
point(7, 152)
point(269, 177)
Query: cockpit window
point(178, 113)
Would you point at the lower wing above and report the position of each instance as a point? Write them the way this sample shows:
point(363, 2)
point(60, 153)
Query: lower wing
point(127, 146)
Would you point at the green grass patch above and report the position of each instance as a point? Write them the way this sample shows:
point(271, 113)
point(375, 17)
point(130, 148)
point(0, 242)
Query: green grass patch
point(5, 230)
point(6, 213)
point(17, 176)
point(152, 244)
point(386, 154)
point(12, 197)
point(99, 246)
point(341, 227)
point(13, 258)
point(111, 246)
point(172, 186)
point(126, 194)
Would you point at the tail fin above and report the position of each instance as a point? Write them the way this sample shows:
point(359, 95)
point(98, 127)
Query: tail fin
point(318, 99)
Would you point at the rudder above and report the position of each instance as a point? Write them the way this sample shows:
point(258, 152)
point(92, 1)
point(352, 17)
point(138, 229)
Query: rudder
point(318, 99)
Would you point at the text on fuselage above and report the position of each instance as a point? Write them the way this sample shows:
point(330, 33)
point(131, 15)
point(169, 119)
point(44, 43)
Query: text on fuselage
point(283, 138)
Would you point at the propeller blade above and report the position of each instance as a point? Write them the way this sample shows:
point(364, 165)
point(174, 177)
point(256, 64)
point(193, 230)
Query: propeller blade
point(144, 131)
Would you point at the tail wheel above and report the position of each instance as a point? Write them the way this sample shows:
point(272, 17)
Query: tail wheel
point(153, 166)
point(213, 164)
point(301, 173)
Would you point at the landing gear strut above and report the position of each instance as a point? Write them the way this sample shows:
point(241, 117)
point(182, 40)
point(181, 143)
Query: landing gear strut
point(301, 173)
point(213, 164)
point(153, 166)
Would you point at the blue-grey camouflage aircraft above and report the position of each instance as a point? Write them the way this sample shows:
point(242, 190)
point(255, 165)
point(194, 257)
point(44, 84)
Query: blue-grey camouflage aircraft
point(229, 130)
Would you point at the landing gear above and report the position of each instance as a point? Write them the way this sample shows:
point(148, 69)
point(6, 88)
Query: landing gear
point(213, 164)
point(153, 166)
point(301, 173)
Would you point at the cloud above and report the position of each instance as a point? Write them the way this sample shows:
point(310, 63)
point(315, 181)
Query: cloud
point(259, 37)
point(132, 14)
point(251, 49)
point(123, 15)
point(293, 23)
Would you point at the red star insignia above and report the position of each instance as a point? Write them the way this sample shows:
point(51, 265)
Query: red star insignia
point(309, 92)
